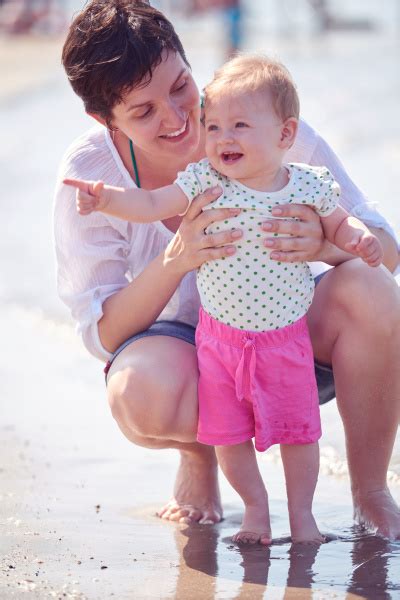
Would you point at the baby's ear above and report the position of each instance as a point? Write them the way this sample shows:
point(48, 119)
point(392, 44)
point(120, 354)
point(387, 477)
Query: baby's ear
point(289, 132)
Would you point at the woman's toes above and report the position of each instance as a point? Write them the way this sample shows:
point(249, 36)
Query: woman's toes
point(195, 515)
point(178, 515)
point(210, 518)
point(185, 521)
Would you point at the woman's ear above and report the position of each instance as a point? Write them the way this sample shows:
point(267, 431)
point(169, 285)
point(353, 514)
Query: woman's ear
point(289, 132)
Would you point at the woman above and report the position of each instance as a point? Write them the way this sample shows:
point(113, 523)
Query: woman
point(127, 64)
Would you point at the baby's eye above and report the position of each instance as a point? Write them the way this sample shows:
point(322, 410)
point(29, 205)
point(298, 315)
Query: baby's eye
point(241, 124)
point(212, 128)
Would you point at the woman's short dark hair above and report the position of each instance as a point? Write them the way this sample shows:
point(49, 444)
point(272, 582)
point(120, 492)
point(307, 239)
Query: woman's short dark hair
point(112, 46)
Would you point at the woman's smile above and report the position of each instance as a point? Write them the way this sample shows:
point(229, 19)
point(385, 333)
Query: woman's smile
point(179, 134)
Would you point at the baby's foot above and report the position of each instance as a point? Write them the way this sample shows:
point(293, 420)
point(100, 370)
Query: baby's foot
point(304, 528)
point(256, 527)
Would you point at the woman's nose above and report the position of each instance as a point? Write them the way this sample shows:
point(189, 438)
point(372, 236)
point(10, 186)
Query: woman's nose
point(173, 116)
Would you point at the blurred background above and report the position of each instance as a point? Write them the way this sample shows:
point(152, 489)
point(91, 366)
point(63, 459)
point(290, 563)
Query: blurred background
point(61, 449)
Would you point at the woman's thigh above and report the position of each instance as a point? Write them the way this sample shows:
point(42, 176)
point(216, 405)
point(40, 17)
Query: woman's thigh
point(152, 388)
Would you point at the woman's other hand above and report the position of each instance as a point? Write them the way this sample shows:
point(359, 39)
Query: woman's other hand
point(304, 237)
point(191, 246)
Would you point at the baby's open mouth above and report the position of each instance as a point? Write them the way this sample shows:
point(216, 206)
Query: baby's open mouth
point(230, 157)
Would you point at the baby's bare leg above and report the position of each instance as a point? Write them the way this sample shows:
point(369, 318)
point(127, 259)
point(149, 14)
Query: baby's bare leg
point(301, 464)
point(239, 465)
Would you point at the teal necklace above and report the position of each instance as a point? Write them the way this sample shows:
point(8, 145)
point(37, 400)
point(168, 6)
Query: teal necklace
point(134, 163)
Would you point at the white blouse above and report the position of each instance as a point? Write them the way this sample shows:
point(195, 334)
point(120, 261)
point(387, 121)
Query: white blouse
point(97, 255)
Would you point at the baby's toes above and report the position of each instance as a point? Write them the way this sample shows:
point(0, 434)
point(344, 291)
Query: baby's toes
point(246, 537)
point(265, 539)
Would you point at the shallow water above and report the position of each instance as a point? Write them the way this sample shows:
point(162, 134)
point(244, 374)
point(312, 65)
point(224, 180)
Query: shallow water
point(62, 453)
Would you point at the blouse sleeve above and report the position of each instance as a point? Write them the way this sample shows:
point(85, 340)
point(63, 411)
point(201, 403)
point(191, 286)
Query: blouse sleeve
point(91, 253)
point(351, 197)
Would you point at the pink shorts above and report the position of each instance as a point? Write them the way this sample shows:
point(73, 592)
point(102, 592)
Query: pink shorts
point(256, 384)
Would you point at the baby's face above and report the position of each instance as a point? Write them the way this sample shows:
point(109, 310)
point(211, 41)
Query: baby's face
point(243, 135)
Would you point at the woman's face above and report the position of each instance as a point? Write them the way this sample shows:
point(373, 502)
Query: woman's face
point(162, 118)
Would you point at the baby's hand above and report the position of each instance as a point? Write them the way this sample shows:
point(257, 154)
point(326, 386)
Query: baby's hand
point(367, 246)
point(90, 195)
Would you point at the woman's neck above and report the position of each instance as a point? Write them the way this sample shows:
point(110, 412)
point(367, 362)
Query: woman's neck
point(153, 172)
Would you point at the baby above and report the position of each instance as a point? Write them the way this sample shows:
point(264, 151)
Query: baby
point(254, 351)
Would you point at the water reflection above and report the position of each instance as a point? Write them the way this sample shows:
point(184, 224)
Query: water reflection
point(371, 557)
point(361, 565)
point(203, 550)
point(301, 574)
point(198, 553)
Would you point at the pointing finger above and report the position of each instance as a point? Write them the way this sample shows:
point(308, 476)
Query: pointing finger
point(77, 183)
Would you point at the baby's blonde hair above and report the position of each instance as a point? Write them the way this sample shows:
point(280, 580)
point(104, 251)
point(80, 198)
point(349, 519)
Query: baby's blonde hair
point(256, 73)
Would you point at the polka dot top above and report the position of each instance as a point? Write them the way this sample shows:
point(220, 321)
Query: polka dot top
point(249, 290)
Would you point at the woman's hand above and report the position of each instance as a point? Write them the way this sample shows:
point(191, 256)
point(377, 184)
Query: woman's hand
point(305, 237)
point(191, 246)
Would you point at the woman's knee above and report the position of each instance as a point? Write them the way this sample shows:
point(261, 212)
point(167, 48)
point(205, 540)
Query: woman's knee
point(146, 398)
point(366, 295)
point(124, 392)
point(354, 301)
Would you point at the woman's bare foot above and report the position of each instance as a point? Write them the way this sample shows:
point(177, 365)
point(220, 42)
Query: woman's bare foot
point(378, 511)
point(304, 529)
point(196, 492)
point(256, 527)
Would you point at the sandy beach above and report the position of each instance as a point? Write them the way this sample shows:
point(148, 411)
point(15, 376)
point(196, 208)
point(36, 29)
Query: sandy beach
point(77, 500)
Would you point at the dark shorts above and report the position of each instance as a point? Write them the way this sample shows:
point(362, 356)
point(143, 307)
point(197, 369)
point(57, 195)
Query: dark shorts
point(185, 332)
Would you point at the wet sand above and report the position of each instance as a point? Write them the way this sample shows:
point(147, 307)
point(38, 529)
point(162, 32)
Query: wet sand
point(77, 501)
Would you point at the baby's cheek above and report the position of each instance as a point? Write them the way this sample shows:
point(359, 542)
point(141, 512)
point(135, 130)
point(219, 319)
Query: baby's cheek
point(210, 146)
point(212, 156)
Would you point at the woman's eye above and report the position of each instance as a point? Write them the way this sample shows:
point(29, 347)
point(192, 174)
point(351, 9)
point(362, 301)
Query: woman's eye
point(241, 124)
point(181, 86)
point(145, 114)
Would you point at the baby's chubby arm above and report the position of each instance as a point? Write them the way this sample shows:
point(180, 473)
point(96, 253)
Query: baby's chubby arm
point(133, 204)
point(351, 235)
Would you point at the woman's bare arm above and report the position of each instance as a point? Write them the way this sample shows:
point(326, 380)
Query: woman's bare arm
point(137, 306)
